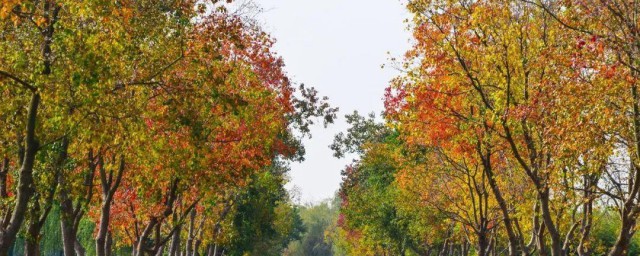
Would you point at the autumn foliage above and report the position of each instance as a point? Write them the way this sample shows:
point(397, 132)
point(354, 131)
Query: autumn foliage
point(148, 120)
point(512, 131)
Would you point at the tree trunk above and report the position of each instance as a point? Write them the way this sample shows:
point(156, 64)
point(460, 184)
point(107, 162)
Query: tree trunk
point(140, 247)
point(67, 214)
point(154, 223)
point(556, 240)
point(32, 247)
point(109, 187)
point(101, 237)
point(621, 247)
point(199, 235)
point(4, 171)
point(174, 248)
point(37, 215)
point(210, 249)
point(215, 250)
point(70, 214)
point(587, 214)
point(160, 251)
point(483, 245)
point(68, 235)
point(37, 219)
point(191, 235)
point(32, 241)
point(69, 227)
point(540, 238)
point(196, 246)
point(68, 222)
point(25, 180)
point(428, 253)
point(443, 251)
point(514, 240)
point(107, 247)
point(79, 249)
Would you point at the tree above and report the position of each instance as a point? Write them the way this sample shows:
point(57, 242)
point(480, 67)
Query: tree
point(317, 221)
point(500, 88)
point(120, 90)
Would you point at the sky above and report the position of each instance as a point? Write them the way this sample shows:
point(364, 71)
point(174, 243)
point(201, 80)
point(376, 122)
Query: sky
point(338, 47)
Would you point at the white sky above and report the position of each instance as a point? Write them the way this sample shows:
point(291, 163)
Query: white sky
point(338, 47)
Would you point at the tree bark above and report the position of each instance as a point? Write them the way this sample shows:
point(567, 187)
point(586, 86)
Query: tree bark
point(141, 245)
point(514, 240)
point(109, 187)
point(37, 215)
point(483, 245)
point(621, 247)
point(191, 235)
point(215, 250)
point(32, 247)
point(25, 180)
point(70, 213)
point(68, 235)
point(108, 244)
point(556, 240)
point(66, 218)
point(590, 183)
point(32, 241)
point(78, 248)
point(210, 249)
point(198, 242)
point(4, 171)
point(37, 218)
point(174, 248)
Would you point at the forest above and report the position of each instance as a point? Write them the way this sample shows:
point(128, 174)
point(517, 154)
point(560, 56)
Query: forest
point(168, 127)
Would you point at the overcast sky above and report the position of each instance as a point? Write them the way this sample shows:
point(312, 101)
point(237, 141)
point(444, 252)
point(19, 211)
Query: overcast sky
point(337, 46)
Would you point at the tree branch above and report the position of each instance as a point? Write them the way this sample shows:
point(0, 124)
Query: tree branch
point(24, 83)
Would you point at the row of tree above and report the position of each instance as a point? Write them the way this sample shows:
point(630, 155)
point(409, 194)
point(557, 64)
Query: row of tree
point(165, 124)
point(513, 130)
